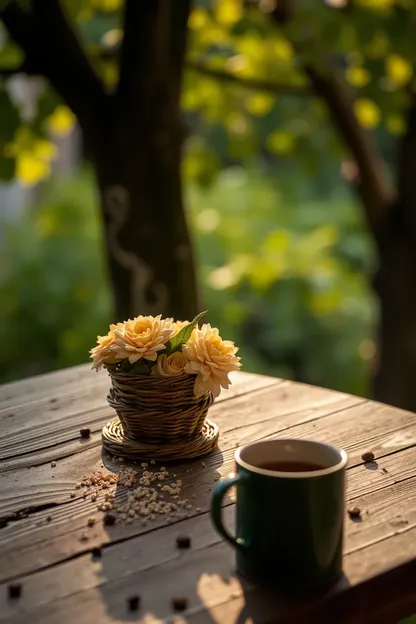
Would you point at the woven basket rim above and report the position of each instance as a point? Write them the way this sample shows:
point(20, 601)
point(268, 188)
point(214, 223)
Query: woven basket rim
point(183, 377)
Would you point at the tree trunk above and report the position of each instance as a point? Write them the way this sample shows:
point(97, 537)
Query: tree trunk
point(148, 245)
point(137, 155)
point(395, 284)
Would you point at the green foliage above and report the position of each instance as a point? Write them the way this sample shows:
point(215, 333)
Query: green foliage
point(283, 275)
point(176, 343)
point(53, 289)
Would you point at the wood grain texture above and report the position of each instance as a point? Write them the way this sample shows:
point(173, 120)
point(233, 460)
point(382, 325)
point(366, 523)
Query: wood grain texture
point(205, 575)
point(53, 426)
point(61, 582)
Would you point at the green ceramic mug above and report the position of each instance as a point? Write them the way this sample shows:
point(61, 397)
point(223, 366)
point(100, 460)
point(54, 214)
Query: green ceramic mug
point(290, 511)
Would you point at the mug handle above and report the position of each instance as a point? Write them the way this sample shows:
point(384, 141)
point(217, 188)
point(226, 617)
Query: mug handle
point(216, 511)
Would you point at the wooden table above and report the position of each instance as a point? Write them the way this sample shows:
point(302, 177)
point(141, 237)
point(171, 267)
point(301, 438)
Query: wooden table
point(41, 543)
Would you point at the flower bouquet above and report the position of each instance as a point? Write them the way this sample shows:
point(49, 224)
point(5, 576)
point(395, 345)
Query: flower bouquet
point(165, 375)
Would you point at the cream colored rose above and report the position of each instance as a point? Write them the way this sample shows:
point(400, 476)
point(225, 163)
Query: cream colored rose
point(104, 352)
point(170, 365)
point(211, 359)
point(142, 337)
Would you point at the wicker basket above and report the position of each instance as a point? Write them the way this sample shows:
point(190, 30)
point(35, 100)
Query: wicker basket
point(155, 409)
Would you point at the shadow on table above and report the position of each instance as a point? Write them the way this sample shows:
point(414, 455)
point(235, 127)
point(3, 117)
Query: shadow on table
point(266, 604)
point(143, 559)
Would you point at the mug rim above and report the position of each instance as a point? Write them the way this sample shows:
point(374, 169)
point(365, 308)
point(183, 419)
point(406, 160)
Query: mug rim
point(293, 475)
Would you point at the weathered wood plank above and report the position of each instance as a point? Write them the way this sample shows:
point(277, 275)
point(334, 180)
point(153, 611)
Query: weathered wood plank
point(36, 487)
point(32, 543)
point(48, 423)
point(47, 386)
point(158, 571)
point(64, 584)
point(70, 469)
point(251, 403)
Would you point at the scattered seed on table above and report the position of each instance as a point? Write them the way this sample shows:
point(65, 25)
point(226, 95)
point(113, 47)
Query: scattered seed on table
point(72, 495)
point(183, 541)
point(96, 552)
point(354, 512)
point(179, 603)
point(91, 522)
point(84, 537)
point(53, 464)
point(15, 590)
point(367, 457)
point(109, 519)
point(85, 432)
point(133, 603)
point(48, 518)
point(203, 464)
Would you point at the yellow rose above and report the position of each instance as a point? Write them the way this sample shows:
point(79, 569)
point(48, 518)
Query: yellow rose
point(104, 352)
point(211, 358)
point(142, 337)
point(170, 365)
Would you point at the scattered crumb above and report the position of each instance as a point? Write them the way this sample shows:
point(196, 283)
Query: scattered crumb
point(133, 603)
point(91, 522)
point(85, 432)
point(354, 512)
point(147, 494)
point(179, 603)
point(183, 541)
point(53, 464)
point(48, 518)
point(203, 464)
point(84, 537)
point(14, 590)
point(198, 509)
point(72, 495)
point(367, 457)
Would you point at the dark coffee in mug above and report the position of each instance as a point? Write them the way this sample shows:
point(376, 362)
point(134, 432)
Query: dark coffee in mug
point(290, 466)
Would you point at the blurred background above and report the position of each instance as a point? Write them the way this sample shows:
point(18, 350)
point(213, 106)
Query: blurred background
point(292, 128)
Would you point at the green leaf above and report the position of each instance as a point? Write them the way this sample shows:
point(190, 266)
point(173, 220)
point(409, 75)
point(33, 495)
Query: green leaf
point(141, 367)
point(176, 342)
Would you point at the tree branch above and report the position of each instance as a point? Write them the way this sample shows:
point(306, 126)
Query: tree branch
point(373, 189)
point(53, 50)
point(256, 84)
point(65, 63)
point(406, 174)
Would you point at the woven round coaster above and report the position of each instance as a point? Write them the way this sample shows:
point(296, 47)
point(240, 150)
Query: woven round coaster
point(116, 442)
